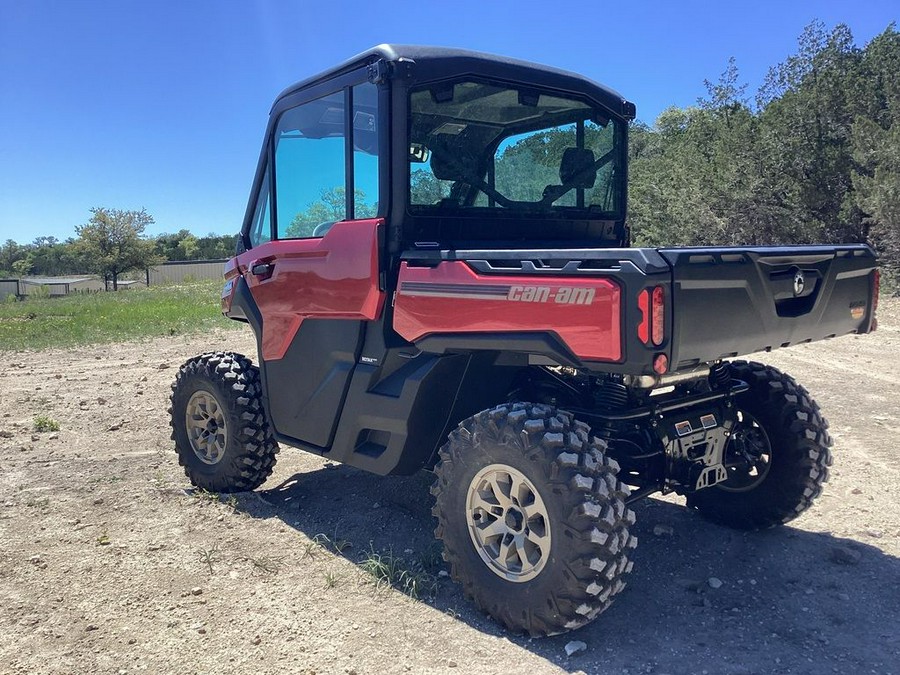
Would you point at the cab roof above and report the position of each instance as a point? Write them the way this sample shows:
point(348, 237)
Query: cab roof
point(426, 64)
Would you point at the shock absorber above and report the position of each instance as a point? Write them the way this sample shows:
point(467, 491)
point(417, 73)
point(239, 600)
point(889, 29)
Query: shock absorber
point(611, 396)
point(719, 375)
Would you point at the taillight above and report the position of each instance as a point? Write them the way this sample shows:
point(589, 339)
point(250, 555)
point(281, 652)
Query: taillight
point(658, 314)
point(652, 304)
point(644, 325)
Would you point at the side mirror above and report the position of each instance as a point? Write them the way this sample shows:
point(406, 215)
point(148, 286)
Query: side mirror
point(418, 153)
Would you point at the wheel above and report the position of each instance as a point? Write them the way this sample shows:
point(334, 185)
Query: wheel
point(533, 518)
point(219, 425)
point(777, 457)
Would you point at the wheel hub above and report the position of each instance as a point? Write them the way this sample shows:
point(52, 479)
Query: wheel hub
point(508, 523)
point(748, 455)
point(207, 432)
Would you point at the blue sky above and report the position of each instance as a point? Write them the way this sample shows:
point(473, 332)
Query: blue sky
point(163, 104)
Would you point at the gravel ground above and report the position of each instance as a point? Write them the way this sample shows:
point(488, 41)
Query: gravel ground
point(110, 563)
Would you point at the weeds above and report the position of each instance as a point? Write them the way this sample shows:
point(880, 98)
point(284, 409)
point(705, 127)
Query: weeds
point(42, 503)
point(390, 571)
point(331, 578)
point(323, 541)
point(45, 423)
point(208, 556)
point(266, 564)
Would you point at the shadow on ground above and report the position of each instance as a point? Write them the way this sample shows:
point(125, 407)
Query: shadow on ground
point(790, 600)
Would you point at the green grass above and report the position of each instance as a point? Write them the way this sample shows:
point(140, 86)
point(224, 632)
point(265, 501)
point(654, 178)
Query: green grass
point(112, 317)
point(45, 423)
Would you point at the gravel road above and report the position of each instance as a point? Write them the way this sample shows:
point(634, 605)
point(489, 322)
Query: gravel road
point(110, 563)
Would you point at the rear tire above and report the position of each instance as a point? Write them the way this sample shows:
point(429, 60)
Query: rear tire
point(532, 474)
point(219, 425)
point(799, 454)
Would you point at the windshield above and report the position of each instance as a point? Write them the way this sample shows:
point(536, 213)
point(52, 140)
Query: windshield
point(478, 146)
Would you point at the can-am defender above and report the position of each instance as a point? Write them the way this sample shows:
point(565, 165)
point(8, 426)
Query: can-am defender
point(435, 263)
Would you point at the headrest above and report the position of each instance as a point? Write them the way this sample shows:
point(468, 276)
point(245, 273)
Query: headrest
point(577, 168)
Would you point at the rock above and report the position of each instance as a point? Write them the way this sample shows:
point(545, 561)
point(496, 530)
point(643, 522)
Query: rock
point(5, 433)
point(256, 640)
point(196, 590)
point(443, 573)
point(98, 501)
point(53, 436)
point(162, 366)
point(574, 647)
point(35, 437)
point(856, 491)
point(843, 596)
point(844, 555)
point(91, 626)
point(714, 582)
point(115, 427)
point(663, 530)
point(451, 663)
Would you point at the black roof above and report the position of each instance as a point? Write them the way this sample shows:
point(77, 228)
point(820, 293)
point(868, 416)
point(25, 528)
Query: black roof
point(435, 63)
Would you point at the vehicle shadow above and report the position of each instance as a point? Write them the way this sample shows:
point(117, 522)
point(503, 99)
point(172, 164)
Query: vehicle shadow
point(790, 600)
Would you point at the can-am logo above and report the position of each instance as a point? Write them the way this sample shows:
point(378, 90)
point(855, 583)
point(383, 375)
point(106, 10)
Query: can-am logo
point(565, 295)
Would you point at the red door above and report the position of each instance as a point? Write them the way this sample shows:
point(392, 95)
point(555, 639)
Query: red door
point(331, 277)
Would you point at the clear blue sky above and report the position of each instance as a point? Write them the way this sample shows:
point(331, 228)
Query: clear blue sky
point(162, 104)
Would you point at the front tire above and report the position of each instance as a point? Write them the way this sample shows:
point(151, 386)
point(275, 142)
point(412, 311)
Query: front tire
point(221, 432)
point(533, 518)
point(777, 458)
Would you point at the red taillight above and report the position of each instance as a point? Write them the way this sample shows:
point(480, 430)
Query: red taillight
point(658, 313)
point(661, 364)
point(644, 325)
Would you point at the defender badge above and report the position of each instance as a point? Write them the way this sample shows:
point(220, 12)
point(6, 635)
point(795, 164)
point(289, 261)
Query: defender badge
point(799, 282)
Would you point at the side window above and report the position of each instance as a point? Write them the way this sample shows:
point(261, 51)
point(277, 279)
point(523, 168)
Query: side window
point(365, 151)
point(261, 227)
point(309, 168)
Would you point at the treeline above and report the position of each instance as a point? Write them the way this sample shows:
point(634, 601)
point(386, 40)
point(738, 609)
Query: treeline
point(813, 157)
point(47, 256)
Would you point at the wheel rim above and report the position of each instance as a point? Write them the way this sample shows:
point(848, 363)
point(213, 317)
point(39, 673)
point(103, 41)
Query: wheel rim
point(508, 523)
point(207, 432)
point(748, 455)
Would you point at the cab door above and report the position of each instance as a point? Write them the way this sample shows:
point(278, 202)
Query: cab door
point(314, 264)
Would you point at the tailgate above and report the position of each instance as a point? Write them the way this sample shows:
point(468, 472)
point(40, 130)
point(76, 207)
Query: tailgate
point(732, 301)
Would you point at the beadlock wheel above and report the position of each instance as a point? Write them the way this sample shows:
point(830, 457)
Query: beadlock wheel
point(206, 427)
point(508, 523)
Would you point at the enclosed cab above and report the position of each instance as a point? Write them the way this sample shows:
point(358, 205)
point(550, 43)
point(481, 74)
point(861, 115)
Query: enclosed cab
point(435, 262)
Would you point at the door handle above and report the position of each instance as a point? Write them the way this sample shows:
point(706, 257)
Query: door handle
point(262, 269)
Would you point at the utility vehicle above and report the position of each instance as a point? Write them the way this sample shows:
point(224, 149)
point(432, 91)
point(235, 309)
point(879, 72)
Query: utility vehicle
point(435, 262)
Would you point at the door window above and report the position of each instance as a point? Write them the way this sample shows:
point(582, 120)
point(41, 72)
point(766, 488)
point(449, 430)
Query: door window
point(310, 168)
point(261, 227)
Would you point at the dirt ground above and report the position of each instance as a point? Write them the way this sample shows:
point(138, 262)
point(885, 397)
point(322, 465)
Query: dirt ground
point(110, 563)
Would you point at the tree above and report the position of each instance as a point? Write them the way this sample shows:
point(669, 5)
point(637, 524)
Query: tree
point(330, 208)
point(112, 242)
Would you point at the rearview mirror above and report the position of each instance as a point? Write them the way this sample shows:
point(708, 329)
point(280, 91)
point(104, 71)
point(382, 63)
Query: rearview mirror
point(418, 153)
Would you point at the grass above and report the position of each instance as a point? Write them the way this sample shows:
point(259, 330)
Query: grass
point(98, 318)
point(45, 423)
point(389, 571)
